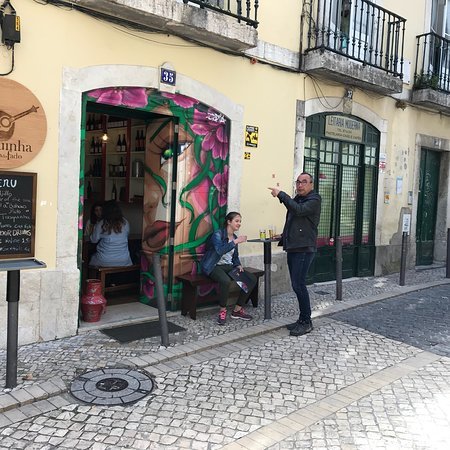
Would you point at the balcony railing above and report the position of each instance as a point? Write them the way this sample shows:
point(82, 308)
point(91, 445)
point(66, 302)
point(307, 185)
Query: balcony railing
point(432, 63)
point(243, 11)
point(357, 29)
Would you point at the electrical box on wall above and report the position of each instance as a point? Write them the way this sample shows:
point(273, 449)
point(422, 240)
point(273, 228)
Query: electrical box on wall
point(10, 25)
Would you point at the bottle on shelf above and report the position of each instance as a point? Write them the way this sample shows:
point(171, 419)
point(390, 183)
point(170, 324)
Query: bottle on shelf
point(121, 171)
point(114, 192)
point(124, 143)
point(142, 141)
point(92, 148)
point(89, 190)
point(99, 123)
point(98, 146)
point(137, 142)
point(119, 144)
point(89, 123)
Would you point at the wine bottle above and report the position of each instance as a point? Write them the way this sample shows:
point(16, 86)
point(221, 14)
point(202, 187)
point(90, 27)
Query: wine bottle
point(98, 145)
point(92, 147)
point(121, 172)
point(89, 190)
point(142, 141)
point(119, 144)
point(88, 123)
point(114, 192)
point(124, 143)
point(137, 142)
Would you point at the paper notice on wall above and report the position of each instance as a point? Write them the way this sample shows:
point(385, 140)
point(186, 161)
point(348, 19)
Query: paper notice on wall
point(382, 162)
point(399, 185)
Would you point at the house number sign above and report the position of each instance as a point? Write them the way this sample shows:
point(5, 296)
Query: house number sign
point(168, 76)
point(23, 125)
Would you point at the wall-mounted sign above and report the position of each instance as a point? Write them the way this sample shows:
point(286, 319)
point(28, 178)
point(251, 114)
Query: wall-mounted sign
point(251, 136)
point(344, 128)
point(168, 76)
point(23, 125)
point(17, 214)
point(247, 155)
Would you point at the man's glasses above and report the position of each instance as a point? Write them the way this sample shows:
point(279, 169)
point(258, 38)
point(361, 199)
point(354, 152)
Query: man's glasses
point(302, 181)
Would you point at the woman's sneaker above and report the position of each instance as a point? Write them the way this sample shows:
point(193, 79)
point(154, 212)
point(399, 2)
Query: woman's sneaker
point(241, 314)
point(222, 318)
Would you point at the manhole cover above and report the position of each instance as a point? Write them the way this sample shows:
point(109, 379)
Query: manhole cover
point(111, 386)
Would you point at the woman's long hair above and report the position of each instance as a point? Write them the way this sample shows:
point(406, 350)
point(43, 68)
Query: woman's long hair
point(113, 219)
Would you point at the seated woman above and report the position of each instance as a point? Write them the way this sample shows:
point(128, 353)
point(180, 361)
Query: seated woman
point(111, 236)
point(222, 257)
point(94, 217)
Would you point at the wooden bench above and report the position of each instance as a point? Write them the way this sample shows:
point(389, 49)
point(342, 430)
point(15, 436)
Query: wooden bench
point(103, 272)
point(190, 294)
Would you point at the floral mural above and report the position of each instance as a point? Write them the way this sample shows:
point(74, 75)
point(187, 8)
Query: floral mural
point(201, 179)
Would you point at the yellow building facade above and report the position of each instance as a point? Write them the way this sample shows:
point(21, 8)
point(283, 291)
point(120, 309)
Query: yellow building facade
point(212, 105)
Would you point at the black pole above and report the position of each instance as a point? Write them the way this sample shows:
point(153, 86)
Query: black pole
point(173, 208)
point(12, 297)
point(403, 258)
point(338, 268)
point(447, 271)
point(267, 283)
point(160, 299)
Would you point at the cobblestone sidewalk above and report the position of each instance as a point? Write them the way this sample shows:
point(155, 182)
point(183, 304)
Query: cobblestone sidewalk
point(239, 356)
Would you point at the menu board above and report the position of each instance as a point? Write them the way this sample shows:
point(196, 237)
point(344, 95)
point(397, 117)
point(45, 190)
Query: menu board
point(17, 214)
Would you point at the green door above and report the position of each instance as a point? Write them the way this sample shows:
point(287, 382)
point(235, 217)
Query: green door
point(346, 178)
point(427, 206)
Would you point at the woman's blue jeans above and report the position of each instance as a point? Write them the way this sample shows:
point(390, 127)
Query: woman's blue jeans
point(298, 263)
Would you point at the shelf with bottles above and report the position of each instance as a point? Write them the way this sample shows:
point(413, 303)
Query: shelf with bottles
point(115, 154)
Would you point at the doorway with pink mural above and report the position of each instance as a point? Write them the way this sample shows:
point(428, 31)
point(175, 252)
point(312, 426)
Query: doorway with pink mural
point(184, 161)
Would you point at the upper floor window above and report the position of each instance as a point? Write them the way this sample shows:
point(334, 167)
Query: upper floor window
point(440, 18)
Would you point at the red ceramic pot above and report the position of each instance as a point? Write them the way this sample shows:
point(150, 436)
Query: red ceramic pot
point(93, 303)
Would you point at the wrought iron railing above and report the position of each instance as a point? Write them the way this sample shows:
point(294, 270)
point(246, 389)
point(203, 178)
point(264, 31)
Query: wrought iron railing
point(432, 63)
point(243, 10)
point(357, 29)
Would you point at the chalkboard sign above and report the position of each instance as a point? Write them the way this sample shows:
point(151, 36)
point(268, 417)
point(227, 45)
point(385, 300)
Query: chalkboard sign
point(17, 214)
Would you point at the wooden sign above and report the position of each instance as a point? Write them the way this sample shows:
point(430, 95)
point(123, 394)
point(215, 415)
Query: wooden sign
point(17, 214)
point(23, 125)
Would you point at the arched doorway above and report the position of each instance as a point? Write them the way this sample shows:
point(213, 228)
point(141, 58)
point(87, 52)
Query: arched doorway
point(185, 158)
point(341, 152)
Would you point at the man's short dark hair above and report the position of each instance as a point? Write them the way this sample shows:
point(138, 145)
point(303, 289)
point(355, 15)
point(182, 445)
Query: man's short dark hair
point(311, 178)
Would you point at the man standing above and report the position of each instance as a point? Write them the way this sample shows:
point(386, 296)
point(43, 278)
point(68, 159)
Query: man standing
point(299, 242)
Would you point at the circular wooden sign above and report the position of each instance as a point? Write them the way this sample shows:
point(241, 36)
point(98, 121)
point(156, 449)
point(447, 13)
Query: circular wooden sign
point(23, 125)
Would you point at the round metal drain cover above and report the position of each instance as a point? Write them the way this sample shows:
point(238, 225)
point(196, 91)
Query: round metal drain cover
point(112, 386)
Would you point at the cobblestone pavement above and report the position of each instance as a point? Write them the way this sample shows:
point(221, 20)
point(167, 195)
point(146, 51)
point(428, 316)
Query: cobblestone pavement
point(251, 386)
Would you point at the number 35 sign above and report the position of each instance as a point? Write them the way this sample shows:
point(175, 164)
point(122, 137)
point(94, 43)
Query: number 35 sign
point(168, 76)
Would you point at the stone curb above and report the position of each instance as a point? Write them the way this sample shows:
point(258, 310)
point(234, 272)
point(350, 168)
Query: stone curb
point(47, 395)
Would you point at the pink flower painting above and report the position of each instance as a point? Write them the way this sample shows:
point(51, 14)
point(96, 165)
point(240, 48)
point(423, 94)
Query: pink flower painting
point(125, 96)
point(211, 125)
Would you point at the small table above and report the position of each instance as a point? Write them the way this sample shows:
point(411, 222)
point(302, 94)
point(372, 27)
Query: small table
point(267, 282)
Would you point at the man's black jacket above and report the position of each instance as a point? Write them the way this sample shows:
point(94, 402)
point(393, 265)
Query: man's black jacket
point(302, 220)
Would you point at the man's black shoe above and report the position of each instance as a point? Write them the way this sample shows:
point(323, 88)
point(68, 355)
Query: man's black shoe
point(291, 326)
point(302, 328)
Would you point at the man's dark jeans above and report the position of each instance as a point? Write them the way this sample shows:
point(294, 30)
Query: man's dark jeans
point(298, 263)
